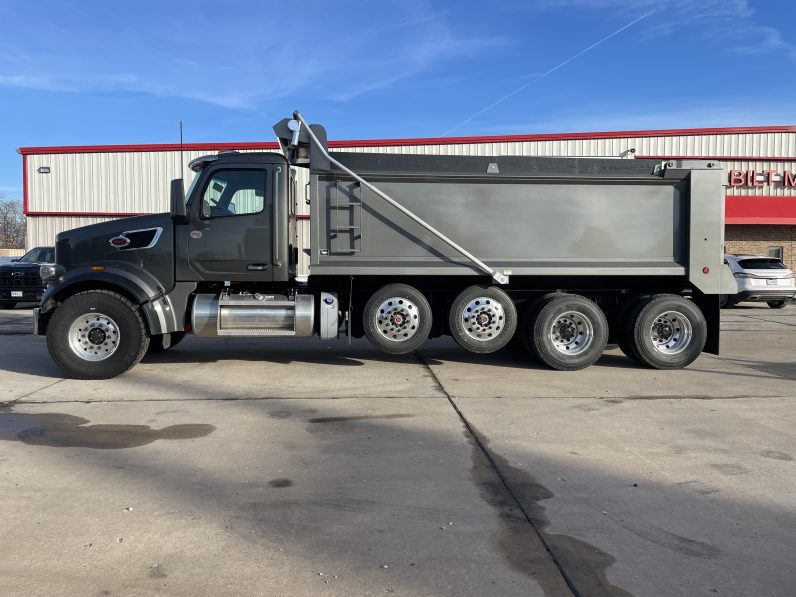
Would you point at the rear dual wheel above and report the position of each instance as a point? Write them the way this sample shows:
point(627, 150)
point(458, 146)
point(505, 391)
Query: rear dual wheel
point(567, 332)
point(663, 331)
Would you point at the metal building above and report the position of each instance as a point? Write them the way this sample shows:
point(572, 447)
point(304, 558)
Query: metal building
point(66, 187)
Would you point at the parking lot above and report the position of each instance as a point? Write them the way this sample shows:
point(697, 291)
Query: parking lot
point(260, 467)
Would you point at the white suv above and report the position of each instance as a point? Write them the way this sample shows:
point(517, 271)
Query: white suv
point(760, 278)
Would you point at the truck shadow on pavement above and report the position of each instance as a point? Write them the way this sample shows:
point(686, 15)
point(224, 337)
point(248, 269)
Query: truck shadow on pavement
point(438, 351)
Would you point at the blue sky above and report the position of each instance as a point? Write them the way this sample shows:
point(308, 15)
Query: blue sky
point(74, 73)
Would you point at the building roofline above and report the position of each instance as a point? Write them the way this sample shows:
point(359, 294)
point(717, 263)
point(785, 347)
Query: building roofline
point(411, 141)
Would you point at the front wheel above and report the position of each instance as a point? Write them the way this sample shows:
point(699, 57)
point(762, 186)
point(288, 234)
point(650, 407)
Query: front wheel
point(567, 332)
point(780, 304)
point(97, 334)
point(397, 319)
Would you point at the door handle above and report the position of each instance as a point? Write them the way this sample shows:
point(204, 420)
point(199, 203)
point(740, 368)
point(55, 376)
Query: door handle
point(257, 267)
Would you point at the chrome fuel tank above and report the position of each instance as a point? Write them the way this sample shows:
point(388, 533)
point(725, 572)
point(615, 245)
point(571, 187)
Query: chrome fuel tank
point(253, 315)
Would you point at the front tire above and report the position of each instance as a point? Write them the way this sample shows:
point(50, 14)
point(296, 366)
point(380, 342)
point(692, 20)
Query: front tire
point(397, 319)
point(780, 304)
point(667, 331)
point(482, 319)
point(567, 332)
point(97, 334)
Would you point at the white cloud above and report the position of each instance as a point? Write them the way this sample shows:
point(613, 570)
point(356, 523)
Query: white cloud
point(732, 24)
point(234, 63)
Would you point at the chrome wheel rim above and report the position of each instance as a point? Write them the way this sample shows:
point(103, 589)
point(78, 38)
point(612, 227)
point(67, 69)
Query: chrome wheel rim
point(671, 332)
point(571, 333)
point(94, 337)
point(483, 318)
point(397, 319)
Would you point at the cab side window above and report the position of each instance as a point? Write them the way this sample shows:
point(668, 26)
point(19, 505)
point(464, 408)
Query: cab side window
point(234, 193)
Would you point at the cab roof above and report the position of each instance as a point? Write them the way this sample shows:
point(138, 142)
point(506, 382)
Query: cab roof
point(253, 157)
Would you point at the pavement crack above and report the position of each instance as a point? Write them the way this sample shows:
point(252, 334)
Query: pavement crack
point(20, 398)
point(473, 436)
point(758, 318)
point(758, 368)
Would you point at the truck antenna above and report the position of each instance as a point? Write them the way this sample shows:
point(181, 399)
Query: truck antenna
point(182, 161)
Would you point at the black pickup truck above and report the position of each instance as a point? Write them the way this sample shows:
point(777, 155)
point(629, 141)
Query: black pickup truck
point(19, 279)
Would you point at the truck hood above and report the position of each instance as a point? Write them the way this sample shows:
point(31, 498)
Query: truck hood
point(91, 245)
point(10, 268)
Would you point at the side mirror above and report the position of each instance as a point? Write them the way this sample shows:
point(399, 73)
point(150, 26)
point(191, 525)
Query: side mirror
point(177, 197)
point(15, 260)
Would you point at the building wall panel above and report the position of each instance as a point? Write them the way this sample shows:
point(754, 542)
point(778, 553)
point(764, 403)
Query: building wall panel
point(42, 229)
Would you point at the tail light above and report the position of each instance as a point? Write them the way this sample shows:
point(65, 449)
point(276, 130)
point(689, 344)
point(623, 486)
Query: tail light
point(746, 275)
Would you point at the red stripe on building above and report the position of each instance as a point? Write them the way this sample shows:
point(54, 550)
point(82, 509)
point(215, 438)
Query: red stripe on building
point(86, 214)
point(24, 184)
point(720, 158)
point(760, 210)
point(412, 141)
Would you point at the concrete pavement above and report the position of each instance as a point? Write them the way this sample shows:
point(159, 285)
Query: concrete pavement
point(272, 467)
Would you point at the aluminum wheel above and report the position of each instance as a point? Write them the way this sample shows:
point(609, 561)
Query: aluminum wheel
point(671, 332)
point(94, 337)
point(397, 319)
point(483, 318)
point(571, 333)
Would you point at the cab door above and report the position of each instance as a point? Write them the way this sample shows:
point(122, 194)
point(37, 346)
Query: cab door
point(229, 230)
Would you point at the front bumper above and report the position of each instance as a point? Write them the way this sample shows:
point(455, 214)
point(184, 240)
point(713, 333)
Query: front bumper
point(21, 295)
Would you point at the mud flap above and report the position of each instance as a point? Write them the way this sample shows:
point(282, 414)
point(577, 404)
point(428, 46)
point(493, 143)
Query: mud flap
point(709, 305)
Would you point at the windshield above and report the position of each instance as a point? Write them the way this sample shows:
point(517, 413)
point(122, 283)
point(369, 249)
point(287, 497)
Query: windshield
point(761, 263)
point(39, 255)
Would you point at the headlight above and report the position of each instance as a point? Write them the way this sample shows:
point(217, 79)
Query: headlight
point(50, 272)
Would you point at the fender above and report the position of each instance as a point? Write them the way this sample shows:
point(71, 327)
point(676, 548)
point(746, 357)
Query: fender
point(164, 312)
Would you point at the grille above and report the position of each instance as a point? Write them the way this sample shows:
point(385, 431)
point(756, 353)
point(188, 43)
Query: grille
point(26, 281)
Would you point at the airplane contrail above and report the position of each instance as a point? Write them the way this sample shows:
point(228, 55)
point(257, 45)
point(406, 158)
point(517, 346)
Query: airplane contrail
point(548, 72)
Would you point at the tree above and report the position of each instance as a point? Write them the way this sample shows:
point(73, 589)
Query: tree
point(12, 224)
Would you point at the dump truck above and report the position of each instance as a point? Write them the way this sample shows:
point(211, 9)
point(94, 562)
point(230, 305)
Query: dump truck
point(563, 255)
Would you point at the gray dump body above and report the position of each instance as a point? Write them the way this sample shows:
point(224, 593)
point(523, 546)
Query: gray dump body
point(524, 216)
